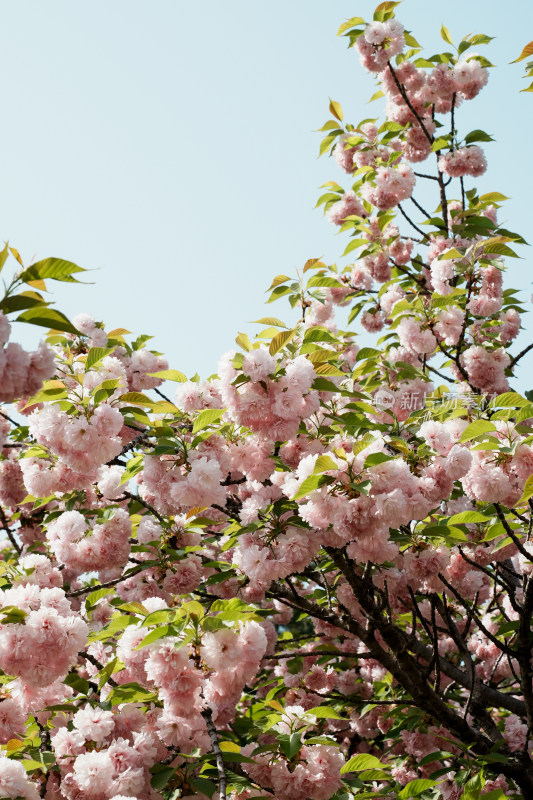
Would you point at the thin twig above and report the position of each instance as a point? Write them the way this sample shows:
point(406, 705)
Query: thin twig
point(146, 505)
point(107, 584)
point(317, 654)
point(520, 355)
point(410, 221)
point(9, 532)
point(12, 421)
point(420, 208)
point(94, 661)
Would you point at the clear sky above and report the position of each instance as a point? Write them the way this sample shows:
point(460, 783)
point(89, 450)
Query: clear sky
point(170, 147)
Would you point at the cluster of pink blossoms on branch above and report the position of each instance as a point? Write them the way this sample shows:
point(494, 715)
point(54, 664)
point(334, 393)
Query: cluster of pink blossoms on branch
point(309, 577)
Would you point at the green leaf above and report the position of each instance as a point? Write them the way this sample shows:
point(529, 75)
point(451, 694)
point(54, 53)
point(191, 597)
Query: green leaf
point(280, 340)
point(500, 250)
point(56, 268)
point(208, 416)
point(278, 280)
point(316, 263)
point(326, 143)
point(493, 197)
point(508, 400)
point(18, 302)
point(96, 354)
point(204, 786)
point(3, 256)
point(77, 683)
point(319, 334)
point(324, 281)
point(29, 765)
point(116, 624)
point(465, 517)
point(157, 617)
point(243, 340)
point(361, 762)
point(439, 144)
point(376, 96)
point(277, 323)
point(324, 712)
point(92, 599)
point(527, 51)
point(323, 385)
point(108, 670)
point(48, 318)
point(450, 254)
point(335, 109)
point(477, 428)
point(158, 406)
point(153, 636)
point(353, 244)
point(478, 136)
point(528, 490)
point(350, 23)
point(367, 352)
point(473, 787)
point(130, 693)
point(384, 10)
point(329, 369)
point(12, 615)
point(376, 458)
point(323, 464)
point(278, 292)
point(446, 35)
point(161, 776)
point(416, 787)
point(310, 484)
point(169, 375)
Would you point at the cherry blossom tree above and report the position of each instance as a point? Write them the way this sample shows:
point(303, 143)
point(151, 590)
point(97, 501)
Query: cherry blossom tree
point(310, 576)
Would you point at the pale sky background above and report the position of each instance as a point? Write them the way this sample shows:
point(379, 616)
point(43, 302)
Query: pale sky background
point(170, 147)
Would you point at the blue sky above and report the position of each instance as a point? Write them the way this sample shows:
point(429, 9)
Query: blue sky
point(170, 147)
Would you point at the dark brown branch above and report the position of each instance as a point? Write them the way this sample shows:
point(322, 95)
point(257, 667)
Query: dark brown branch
point(146, 505)
point(520, 355)
point(9, 532)
point(317, 654)
point(107, 584)
point(412, 109)
point(212, 731)
point(12, 421)
point(524, 655)
point(429, 177)
point(157, 391)
point(94, 661)
point(509, 531)
point(411, 223)
point(420, 208)
point(470, 610)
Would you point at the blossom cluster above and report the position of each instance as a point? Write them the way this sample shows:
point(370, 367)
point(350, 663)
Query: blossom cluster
point(308, 575)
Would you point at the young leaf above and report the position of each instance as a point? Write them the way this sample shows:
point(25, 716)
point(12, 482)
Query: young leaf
point(361, 762)
point(350, 23)
point(280, 340)
point(56, 268)
point(207, 417)
point(48, 318)
point(335, 109)
point(527, 51)
point(446, 35)
point(477, 428)
point(169, 375)
point(415, 788)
